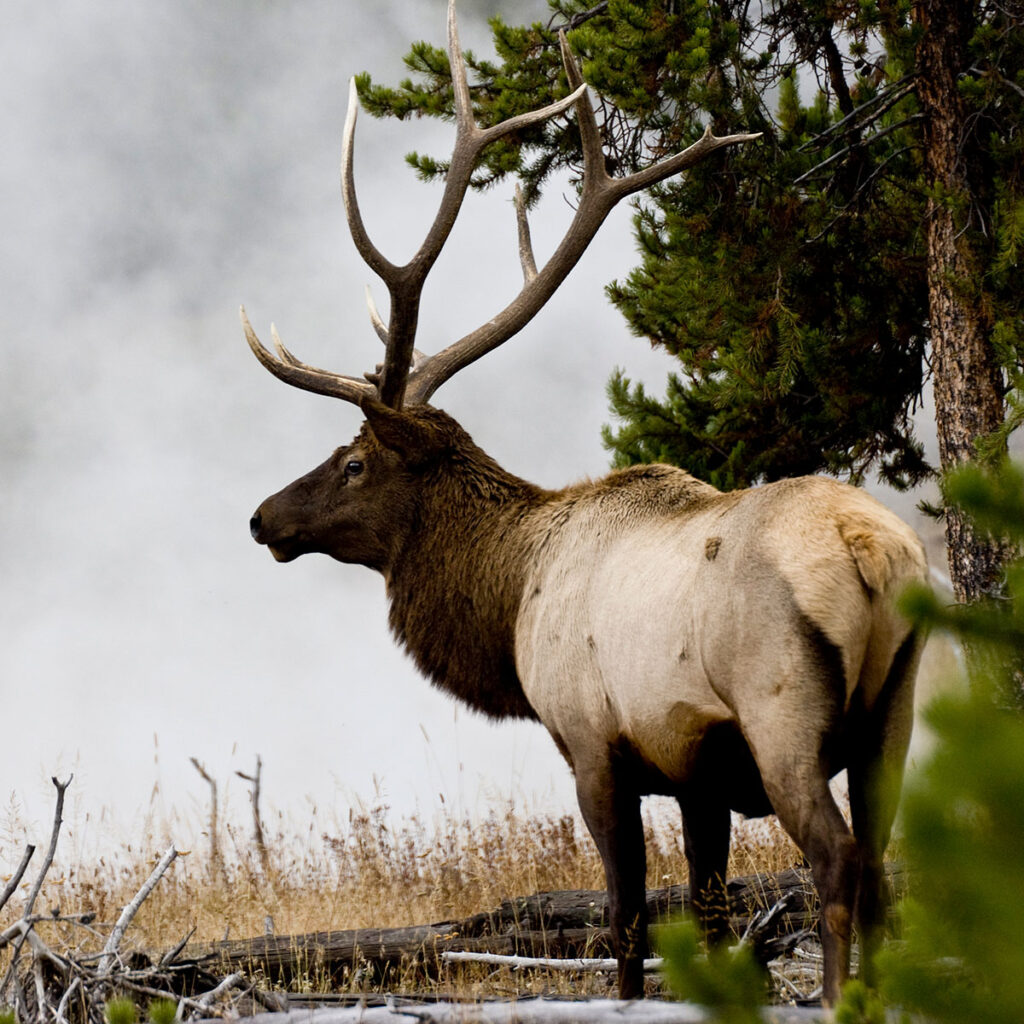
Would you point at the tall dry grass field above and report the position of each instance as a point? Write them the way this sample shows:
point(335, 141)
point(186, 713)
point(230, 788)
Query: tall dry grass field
point(368, 869)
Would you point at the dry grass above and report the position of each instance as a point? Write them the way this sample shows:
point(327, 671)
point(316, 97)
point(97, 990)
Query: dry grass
point(367, 871)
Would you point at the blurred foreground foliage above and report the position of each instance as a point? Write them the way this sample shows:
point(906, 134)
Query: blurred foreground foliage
point(728, 981)
point(962, 958)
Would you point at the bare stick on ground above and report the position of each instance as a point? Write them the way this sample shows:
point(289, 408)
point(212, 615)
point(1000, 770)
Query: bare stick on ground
point(131, 909)
point(580, 965)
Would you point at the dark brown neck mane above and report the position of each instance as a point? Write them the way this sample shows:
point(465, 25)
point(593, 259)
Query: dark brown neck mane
point(455, 589)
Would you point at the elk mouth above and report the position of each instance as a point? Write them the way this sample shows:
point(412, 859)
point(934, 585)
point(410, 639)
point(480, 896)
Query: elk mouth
point(284, 549)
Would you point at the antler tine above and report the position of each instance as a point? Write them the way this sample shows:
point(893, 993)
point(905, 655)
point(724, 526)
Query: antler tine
point(292, 371)
point(406, 283)
point(707, 144)
point(594, 173)
point(380, 328)
point(370, 253)
point(460, 82)
point(526, 257)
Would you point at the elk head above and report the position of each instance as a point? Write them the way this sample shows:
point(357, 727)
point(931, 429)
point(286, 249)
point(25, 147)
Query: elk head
point(358, 505)
point(352, 505)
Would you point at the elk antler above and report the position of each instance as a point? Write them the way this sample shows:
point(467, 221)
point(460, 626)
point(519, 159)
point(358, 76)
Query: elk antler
point(406, 375)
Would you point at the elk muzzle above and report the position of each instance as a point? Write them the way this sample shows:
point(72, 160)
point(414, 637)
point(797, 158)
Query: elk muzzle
point(284, 546)
point(256, 526)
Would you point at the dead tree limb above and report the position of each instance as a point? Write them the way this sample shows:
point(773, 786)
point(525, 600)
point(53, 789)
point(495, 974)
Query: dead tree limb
point(216, 857)
point(110, 950)
point(579, 965)
point(15, 879)
point(254, 796)
point(54, 833)
point(58, 817)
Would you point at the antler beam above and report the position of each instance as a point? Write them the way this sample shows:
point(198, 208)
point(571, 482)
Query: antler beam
point(406, 375)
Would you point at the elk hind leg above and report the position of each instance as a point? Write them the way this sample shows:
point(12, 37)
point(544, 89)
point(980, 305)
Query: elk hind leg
point(815, 823)
point(797, 785)
point(875, 773)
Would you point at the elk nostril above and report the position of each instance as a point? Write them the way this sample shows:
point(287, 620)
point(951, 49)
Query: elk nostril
point(254, 525)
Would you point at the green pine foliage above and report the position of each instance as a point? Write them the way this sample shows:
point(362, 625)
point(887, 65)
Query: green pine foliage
point(860, 1005)
point(962, 957)
point(727, 981)
point(788, 277)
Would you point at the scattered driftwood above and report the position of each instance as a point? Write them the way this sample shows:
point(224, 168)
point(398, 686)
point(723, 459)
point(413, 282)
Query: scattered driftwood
point(65, 986)
point(575, 965)
point(564, 931)
point(772, 913)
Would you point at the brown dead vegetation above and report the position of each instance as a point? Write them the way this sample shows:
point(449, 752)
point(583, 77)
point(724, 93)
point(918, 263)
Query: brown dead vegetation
point(370, 870)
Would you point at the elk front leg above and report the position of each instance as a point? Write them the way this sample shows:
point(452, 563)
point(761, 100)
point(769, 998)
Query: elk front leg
point(706, 826)
point(611, 809)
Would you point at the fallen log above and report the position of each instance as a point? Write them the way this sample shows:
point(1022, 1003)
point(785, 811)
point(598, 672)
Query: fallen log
point(566, 923)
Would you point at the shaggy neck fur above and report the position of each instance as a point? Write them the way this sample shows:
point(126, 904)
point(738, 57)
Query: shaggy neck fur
point(454, 605)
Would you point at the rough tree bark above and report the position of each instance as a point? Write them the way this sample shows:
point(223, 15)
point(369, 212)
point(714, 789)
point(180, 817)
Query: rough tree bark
point(969, 383)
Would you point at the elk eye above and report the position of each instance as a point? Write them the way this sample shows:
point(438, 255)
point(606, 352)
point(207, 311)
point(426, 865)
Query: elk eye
point(353, 467)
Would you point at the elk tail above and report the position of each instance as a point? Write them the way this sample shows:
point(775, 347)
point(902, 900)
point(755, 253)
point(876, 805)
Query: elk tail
point(886, 559)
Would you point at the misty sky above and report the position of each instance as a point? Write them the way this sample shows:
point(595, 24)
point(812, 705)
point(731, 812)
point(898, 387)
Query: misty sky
point(163, 163)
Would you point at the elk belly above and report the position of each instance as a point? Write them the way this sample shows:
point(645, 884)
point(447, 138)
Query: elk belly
point(608, 648)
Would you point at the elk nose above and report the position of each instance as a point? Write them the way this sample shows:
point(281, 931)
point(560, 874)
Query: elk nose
point(255, 525)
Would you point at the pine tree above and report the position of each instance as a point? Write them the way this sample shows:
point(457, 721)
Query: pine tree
point(811, 284)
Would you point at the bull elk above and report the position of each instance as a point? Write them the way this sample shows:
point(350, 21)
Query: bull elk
point(731, 650)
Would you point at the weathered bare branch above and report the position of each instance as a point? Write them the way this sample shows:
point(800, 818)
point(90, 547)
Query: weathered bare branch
point(867, 113)
point(61, 1012)
point(225, 986)
point(58, 819)
point(110, 950)
point(839, 154)
point(216, 857)
point(578, 965)
point(15, 879)
point(254, 798)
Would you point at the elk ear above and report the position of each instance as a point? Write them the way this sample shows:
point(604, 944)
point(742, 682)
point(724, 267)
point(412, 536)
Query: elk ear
point(415, 439)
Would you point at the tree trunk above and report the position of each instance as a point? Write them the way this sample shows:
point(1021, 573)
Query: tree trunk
point(968, 379)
